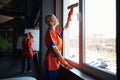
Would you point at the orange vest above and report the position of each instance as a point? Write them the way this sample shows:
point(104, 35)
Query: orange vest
point(30, 43)
point(52, 38)
point(25, 50)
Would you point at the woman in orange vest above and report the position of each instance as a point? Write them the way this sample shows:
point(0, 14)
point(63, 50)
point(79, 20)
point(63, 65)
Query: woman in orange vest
point(30, 44)
point(53, 41)
point(31, 51)
point(25, 51)
point(28, 53)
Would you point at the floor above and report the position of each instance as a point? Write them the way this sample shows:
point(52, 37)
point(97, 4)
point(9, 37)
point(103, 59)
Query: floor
point(11, 67)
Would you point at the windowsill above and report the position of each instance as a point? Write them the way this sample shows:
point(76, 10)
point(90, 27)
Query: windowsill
point(81, 74)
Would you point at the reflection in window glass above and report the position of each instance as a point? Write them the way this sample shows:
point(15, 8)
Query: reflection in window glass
point(100, 34)
point(71, 36)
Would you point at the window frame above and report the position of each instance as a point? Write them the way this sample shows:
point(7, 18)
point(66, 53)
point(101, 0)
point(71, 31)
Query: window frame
point(82, 66)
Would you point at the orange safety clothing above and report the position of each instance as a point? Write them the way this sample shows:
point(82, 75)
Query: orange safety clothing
point(30, 43)
point(25, 51)
point(52, 39)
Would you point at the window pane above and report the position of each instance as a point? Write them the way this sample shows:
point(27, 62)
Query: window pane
point(71, 36)
point(100, 34)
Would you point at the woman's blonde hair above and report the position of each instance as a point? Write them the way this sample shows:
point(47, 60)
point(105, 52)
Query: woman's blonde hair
point(31, 35)
point(48, 19)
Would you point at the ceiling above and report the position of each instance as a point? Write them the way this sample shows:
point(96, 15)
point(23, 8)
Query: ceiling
point(19, 13)
point(12, 12)
point(4, 18)
point(4, 2)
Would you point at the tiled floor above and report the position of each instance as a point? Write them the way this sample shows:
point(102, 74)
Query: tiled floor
point(11, 67)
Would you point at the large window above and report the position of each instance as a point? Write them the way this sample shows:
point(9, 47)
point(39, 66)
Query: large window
point(98, 30)
point(100, 34)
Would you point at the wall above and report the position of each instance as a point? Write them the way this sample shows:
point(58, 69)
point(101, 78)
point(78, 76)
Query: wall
point(47, 8)
point(58, 11)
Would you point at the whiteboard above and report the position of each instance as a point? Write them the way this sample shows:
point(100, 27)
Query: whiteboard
point(35, 33)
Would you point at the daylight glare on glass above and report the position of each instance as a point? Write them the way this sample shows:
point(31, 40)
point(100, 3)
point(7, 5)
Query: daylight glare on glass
point(100, 34)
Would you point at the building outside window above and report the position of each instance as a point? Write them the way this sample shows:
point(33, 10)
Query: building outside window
point(100, 34)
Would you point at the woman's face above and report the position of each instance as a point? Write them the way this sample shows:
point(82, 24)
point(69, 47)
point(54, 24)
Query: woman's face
point(55, 20)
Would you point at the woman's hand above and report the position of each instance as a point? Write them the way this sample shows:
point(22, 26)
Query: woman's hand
point(70, 14)
point(69, 66)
